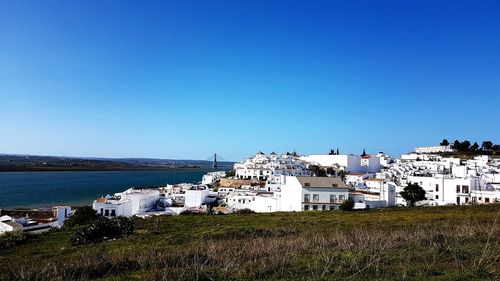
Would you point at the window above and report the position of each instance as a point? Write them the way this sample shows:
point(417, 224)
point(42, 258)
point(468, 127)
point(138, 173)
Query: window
point(306, 183)
point(465, 189)
point(113, 213)
point(333, 198)
point(323, 208)
point(106, 213)
point(307, 198)
point(486, 200)
point(341, 197)
point(437, 187)
point(458, 188)
point(306, 207)
point(316, 197)
point(102, 211)
point(315, 207)
point(332, 207)
point(437, 197)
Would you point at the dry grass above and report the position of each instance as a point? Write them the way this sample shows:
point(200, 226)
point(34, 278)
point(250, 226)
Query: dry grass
point(448, 243)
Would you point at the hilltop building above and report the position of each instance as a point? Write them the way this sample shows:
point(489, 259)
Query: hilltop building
point(263, 167)
point(348, 163)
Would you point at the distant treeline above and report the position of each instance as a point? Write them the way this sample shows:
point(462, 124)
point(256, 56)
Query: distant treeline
point(487, 147)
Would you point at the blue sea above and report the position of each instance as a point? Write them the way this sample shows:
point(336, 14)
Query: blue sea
point(45, 189)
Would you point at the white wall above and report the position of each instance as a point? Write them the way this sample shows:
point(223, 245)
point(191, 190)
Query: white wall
point(195, 197)
point(352, 163)
point(290, 195)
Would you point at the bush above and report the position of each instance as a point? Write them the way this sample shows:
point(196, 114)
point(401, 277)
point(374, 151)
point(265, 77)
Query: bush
point(191, 213)
point(244, 212)
point(10, 239)
point(347, 205)
point(103, 228)
point(82, 216)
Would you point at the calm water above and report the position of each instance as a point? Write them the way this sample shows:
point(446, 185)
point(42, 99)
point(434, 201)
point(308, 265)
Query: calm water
point(28, 189)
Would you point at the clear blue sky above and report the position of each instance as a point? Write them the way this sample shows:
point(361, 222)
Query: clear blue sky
point(184, 79)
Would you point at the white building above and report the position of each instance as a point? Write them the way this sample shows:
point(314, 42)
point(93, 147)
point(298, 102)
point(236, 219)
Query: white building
point(8, 224)
point(433, 149)
point(312, 193)
point(212, 177)
point(349, 163)
point(257, 201)
point(447, 190)
point(128, 203)
point(262, 167)
point(61, 213)
point(374, 193)
point(196, 196)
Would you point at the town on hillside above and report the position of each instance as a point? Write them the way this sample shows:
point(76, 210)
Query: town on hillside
point(429, 176)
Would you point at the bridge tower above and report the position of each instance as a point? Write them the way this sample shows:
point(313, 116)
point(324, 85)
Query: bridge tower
point(215, 161)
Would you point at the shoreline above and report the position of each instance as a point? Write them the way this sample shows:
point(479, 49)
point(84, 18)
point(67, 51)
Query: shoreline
point(70, 169)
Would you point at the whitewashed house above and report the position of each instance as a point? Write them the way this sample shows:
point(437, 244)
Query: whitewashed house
point(8, 224)
point(128, 203)
point(354, 179)
point(212, 177)
point(374, 193)
point(196, 196)
point(257, 201)
point(270, 168)
point(61, 213)
point(349, 163)
point(312, 193)
point(434, 149)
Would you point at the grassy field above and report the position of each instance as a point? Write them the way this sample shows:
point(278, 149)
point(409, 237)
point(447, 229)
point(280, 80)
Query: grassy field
point(433, 243)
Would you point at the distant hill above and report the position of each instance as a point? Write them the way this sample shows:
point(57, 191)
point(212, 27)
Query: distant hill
point(16, 162)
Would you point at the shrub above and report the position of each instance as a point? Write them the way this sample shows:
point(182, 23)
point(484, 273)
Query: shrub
point(191, 213)
point(103, 228)
point(82, 216)
point(10, 239)
point(347, 205)
point(244, 211)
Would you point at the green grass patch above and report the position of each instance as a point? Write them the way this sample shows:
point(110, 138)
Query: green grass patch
point(432, 243)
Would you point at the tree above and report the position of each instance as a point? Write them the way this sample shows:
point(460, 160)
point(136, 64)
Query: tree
point(465, 145)
point(332, 152)
point(317, 171)
point(338, 151)
point(487, 145)
point(330, 171)
point(341, 174)
point(413, 193)
point(445, 142)
point(347, 205)
point(456, 145)
point(474, 147)
point(82, 216)
point(230, 173)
